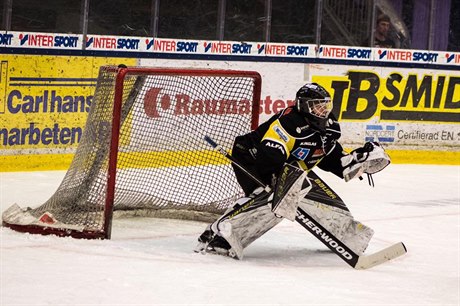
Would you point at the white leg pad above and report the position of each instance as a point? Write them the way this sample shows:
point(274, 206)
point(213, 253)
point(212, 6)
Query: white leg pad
point(357, 236)
point(246, 227)
point(287, 207)
point(340, 223)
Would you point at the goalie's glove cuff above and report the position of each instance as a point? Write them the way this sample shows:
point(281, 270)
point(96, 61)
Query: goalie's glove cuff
point(370, 159)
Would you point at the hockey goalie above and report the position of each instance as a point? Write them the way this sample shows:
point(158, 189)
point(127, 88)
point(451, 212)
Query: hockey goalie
point(281, 153)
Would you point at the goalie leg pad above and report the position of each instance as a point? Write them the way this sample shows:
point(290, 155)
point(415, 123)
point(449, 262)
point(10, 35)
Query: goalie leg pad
point(245, 228)
point(357, 236)
point(249, 219)
point(292, 185)
point(214, 228)
point(340, 223)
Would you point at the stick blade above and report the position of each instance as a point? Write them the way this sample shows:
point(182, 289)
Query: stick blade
point(389, 253)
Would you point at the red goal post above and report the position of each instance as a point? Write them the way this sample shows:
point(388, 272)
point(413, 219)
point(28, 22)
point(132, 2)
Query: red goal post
point(142, 150)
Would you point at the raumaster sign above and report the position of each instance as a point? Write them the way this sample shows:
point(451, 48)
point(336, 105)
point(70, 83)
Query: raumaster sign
point(156, 102)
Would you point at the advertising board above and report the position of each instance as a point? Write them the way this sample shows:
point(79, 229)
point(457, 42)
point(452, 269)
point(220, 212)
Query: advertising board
point(44, 103)
point(408, 100)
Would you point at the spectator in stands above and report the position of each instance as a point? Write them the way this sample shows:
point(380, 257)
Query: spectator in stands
point(381, 34)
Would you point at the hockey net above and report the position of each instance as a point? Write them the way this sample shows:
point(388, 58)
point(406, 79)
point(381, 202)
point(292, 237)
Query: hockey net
point(143, 151)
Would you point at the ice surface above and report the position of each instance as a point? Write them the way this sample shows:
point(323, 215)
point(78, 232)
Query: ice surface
point(150, 261)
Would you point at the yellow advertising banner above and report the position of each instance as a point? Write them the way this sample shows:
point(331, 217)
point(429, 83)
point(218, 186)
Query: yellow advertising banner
point(44, 103)
point(394, 96)
point(414, 114)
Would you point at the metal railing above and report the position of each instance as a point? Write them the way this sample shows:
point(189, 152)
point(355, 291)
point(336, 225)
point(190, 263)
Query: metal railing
point(337, 22)
point(348, 21)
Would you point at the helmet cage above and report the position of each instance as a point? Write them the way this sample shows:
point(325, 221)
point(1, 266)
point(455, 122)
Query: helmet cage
point(320, 108)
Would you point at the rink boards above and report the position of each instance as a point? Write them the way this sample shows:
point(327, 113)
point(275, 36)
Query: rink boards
point(408, 100)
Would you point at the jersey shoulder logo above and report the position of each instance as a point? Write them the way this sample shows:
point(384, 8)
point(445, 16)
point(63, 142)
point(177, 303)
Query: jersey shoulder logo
point(281, 133)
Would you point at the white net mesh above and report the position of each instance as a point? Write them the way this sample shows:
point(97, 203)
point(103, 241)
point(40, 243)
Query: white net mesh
point(164, 165)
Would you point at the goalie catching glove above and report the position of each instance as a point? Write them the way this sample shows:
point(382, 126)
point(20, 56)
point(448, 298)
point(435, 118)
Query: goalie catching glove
point(370, 159)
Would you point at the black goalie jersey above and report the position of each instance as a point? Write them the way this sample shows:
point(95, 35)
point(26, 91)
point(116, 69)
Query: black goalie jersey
point(287, 137)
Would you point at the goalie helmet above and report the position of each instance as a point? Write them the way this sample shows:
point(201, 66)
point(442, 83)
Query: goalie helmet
point(314, 102)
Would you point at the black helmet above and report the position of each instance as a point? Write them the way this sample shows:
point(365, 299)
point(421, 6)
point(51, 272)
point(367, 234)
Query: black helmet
point(314, 102)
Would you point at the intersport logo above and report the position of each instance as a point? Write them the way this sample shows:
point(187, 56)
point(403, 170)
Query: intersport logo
point(158, 104)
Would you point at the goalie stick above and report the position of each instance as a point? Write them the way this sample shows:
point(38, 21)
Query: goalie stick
point(316, 229)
